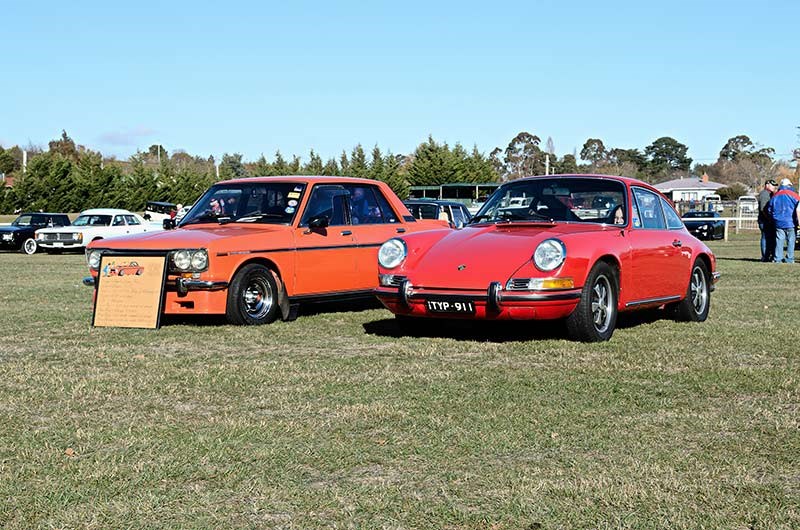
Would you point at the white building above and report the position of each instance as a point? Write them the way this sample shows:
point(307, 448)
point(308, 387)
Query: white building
point(688, 189)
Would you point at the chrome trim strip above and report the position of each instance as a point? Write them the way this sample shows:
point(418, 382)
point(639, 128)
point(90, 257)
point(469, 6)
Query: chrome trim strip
point(533, 297)
point(661, 300)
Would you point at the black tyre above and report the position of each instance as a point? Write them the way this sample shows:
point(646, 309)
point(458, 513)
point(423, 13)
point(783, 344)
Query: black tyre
point(694, 307)
point(29, 246)
point(252, 297)
point(595, 317)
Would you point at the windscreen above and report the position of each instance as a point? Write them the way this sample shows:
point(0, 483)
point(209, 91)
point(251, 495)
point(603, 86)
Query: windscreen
point(574, 199)
point(92, 220)
point(257, 202)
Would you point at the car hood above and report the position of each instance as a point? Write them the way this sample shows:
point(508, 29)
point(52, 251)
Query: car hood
point(70, 229)
point(475, 256)
point(235, 237)
point(9, 228)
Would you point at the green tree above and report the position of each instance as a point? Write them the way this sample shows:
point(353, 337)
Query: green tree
point(231, 167)
point(64, 146)
point(314, 165)
point(523, 157)
point(331, 168)
point(667, 155)
point(594, 152)
point(431, 164)
point(567, 165)
point(358, 163)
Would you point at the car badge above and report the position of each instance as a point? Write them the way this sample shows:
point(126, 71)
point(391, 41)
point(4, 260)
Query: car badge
point(462, 267)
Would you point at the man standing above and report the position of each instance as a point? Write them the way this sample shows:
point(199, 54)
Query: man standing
point(783, 209)
point(765, 223)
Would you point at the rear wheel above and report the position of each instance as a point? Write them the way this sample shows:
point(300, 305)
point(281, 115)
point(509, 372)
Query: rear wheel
point(694, 307)
point(595, 317)
point(29, 246)
point(252, 296)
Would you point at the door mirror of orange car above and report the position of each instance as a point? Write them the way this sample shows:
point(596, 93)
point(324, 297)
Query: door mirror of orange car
point(168, 224)
point(319, 222)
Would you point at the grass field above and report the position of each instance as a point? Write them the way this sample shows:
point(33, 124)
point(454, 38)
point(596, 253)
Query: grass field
point(337, 420)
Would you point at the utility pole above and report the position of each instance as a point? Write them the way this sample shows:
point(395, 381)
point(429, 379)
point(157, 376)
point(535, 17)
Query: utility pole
point(547, 164)
point(24, 161)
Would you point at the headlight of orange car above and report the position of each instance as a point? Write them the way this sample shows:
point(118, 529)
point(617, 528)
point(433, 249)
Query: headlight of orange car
point(93, 259)
point(189, 260)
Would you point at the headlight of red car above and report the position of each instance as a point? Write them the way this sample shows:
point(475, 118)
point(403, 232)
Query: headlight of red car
point(392, 253)
point(550, 254)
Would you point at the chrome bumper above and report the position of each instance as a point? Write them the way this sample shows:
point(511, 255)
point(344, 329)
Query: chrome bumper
point(494, 296)
point(181, 285)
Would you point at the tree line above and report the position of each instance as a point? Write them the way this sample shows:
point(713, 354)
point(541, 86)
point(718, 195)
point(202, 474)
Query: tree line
point(69, 177)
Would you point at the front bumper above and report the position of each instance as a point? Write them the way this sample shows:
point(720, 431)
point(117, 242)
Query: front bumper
point(60, 244)
point(179, 285)
point(494, 303)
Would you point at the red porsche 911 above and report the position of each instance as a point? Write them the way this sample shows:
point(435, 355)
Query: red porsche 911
point(575, 247)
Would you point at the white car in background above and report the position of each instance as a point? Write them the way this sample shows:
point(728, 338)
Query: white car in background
point(97, 223)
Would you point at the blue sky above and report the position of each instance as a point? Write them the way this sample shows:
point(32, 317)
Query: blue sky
point(255, 77)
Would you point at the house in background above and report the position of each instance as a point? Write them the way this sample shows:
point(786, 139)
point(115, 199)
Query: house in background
point(689, 189)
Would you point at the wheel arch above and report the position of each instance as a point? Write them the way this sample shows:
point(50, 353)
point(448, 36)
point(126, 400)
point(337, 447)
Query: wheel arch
point(283, 297)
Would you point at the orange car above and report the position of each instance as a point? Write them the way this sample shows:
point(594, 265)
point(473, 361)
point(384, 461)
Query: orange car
point(254, 249)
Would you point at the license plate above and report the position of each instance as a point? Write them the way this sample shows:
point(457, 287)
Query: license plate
point(466, 307)
point(58, 244)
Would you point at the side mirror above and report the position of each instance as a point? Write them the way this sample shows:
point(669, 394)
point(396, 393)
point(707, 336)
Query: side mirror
point(168, 224)
point(319, 222)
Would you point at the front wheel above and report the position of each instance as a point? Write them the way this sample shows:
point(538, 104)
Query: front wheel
point(29, 246)
point(252, 297)
point(595, 317)
point(694, 307)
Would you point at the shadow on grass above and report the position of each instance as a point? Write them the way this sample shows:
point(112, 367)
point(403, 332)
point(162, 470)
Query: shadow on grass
point(306, 309)
point(494, 331)
point(756, 260)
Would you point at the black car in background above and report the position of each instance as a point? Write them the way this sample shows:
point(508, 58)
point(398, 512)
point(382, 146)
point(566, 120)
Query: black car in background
point(704, 225)
point(20, 234)
point(453, 212)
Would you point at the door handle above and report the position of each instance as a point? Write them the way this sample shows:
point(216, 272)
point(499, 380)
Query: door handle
point(401, 230)
point(677, 243)
point(347, 233)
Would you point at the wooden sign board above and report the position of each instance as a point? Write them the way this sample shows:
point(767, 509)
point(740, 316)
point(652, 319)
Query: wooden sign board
point(130, 291)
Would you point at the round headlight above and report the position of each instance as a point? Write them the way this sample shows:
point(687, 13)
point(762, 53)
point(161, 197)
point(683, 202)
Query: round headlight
point(549, 254)
point(392, 253)
point(199, 260)
point(182, 260)
point(93, 259)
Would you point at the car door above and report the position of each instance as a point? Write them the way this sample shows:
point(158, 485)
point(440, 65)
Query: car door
point(326, 255)
point(118, 226)
point(374, 223)
point(656, 253)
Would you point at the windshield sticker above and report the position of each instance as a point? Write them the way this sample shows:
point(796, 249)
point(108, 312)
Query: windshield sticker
point(294, 195)
point(298, 188)
point(292, 203)
point(289, 209)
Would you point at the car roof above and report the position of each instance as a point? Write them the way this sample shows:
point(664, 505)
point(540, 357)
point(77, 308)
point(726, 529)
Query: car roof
point(300, 179)
point(160, 203)
point(106, 211)
point(40, 213)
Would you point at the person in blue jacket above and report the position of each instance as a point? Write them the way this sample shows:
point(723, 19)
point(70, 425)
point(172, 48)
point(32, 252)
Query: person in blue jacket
point(783, 208)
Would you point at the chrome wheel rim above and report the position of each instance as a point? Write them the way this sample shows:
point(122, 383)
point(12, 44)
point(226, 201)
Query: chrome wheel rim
point(29, 246)
point(602, 304)
point(257, 298)
point(699, 291)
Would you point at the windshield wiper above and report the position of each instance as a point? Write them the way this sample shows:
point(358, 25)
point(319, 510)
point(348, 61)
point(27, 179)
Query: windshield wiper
point(256, 216)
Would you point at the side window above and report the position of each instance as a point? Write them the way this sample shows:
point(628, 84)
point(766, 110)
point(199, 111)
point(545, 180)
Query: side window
point(38, 220)
point(673, 220)
point(119, 220)
point(327, 201)
point(386, 209)
point(458, 217)
point(131, 220)
point(369, 206)
point(428, 211)
point(649, 212)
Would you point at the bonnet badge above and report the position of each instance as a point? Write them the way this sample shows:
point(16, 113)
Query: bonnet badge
point(462, 267)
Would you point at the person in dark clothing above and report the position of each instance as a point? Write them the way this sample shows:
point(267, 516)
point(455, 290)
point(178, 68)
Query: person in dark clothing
point(765, 223)
point(783, 208)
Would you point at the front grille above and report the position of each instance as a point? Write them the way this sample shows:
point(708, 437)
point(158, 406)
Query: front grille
point(50, 237)
point(393, 280)
point(518, 284)
point(66, 237)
